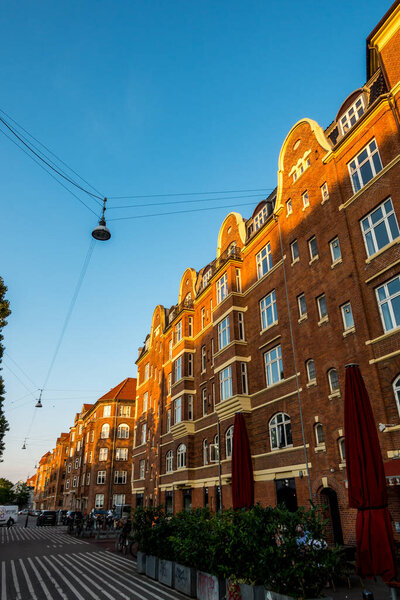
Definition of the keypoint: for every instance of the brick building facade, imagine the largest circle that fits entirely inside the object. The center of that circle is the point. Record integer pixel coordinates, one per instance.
(90, 466)
(307, 284)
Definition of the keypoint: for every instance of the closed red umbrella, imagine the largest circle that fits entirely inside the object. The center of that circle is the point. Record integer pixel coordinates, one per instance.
(242, 469)
(366, 482)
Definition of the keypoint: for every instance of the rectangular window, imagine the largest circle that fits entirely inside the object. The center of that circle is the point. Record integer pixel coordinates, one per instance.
(190, 364)
(206, 277)
(241, 326)
(347, 316)
(212, 352)
(264, 261)
(324, 192)
(289, 208)
(273, 365)
(121, 454)
(243, 376)
(178, 410)
(170, 349)
(268, 311)
(204, 400)
(146, 372)
(99, 501)
(294, 251)
(190, 326)
(238, 279)
(335, 250)
(306, 200)
(145, 401)
(169, 384)
(261, 217)
(92, 436)
(118, 499)
(224, 336)
(380, 227)
(313, 247)
(87, 478)
(301, 302)
(352, 115)
(168, 420)
(101, 477)
(75, 482)
(203, 359)
(190, 407)
(178, 332)
(67, 484)
(203, 317)
(142, 467)
(322, 309)
(365, 166)
(103, 454)
(107, 411)
(388, 296)
(225, 383)
(222, 288)
(178, 369)
(124, 411)
(143, 434)
(90, 456)
(120, 476)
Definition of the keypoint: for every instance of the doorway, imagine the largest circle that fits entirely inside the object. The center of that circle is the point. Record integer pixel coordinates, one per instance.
(332, 514)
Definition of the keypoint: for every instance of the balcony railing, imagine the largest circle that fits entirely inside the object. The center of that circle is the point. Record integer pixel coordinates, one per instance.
(231, 253)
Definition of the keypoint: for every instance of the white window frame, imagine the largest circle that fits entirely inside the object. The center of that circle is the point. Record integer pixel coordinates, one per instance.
(169, 462)
(146, 371)
(190, 364)
(121, 454)
(289, 207)
(203, 317)
(268, 310)
(341, 446)
(280, 431)
(103, 454)
(333, 388)
(238, 280)
(142, 468)
(88, 478)
(99, 501)
(347, 316)
(169, 418)
(314, 253)
(224, 333)
(318, 430)
(264, 261)
(324, 192)
(118, 499)
(145, 401)
(120, 477)
(294, 245)
(206, 277)
(352, 114)
(178, 374)
(241, 334)
(101, 477)
(311, 374)
(229, 442)
(319, 305)
(107, 410)
(261, 217)
(243, 377)
(181, 457)
(372, 159)
(302, 305)
(306, 199)
(105, 431)
(177, 410)
(123, 431)
(170, 344)
(143, 433)
(124, 411)
(273, 365)
(205, 452)
(169, 384)
(190, 406)
(222, 288)
(396, 392)
(178, 331)
(204, 400)
(190, 326)
(385, 304)
(389, 222)
(333, 245)
(203, 359)
(225, 383)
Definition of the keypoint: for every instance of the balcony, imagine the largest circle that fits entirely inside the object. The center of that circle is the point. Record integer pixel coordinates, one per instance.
(182, 429)
(233, 253)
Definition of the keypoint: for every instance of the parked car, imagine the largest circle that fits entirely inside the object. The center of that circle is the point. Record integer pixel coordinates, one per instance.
(47, 517)
(72, 515)
(24, 511)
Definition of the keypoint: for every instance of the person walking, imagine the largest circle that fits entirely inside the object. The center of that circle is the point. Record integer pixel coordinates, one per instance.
(10, 523)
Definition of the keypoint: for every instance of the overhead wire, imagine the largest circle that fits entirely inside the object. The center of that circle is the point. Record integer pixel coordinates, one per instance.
(189, 194)
(179, 212)
(50, 151)
(94, 196)
(184, 201)
(20, 368)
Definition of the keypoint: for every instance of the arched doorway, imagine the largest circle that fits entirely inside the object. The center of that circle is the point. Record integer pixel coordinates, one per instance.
(332, 514)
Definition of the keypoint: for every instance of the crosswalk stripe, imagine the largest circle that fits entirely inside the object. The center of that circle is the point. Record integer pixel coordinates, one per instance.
(28, 581)
(40, 580)
(69, 584)
(16, 584)
(121, 559)
(81, 567)
(53, 581)
(3, 581)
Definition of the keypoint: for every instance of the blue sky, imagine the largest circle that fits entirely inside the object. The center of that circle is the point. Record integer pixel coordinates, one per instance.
(141, 98)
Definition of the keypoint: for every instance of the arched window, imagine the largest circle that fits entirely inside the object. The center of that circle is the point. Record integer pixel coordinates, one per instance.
(333, 380)
(228, 441)
(310, 366)
(396, 391)
(181, 457)
(205, 452)
(123, 431)
(342, 451)
(169, 462)
(280, 431)
(319, 434)
(188, 299)
(105, 431)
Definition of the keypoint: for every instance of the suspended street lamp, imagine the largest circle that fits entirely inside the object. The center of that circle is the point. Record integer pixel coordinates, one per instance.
(39, 402)
(101, 232)
(24, 445)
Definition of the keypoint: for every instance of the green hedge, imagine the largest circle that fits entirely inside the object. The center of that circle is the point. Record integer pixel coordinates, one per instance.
(257, 546)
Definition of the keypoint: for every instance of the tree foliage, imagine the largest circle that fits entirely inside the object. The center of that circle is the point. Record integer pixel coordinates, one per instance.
(6, 495)
(4, 313)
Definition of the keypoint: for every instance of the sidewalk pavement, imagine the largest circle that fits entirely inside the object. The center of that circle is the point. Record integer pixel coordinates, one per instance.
(380, 590)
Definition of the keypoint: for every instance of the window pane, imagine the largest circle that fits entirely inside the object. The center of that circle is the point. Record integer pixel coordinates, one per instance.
(381, 234)
(366, 172)
(394, 286)
(377, 162)
(394, 229)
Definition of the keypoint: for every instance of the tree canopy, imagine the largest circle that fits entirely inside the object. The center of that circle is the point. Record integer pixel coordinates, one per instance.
(4, 313)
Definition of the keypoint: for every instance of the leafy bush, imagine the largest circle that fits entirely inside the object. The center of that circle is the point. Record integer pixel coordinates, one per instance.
(282, 550)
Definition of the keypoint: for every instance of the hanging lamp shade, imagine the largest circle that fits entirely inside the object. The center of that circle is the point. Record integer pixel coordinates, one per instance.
(23, 446)
(39, 404)
(101, 232)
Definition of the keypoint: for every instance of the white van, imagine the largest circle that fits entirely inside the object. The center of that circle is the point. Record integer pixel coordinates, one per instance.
(6, 512)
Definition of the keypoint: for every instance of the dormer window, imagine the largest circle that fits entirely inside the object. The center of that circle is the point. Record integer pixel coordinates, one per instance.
(260, 217)
(207, 277)
(352, 115)
(302, 165)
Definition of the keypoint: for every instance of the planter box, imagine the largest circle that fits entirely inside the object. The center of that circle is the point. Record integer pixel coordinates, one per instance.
(141, 562)
(185, 580)
(151, 566)
(275, 596)
(252, 592)
(209, 587)
(166, 572)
